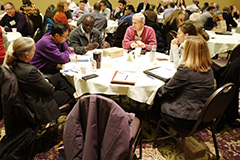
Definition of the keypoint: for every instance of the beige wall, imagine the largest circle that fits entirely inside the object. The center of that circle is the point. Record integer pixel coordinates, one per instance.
(43, 4)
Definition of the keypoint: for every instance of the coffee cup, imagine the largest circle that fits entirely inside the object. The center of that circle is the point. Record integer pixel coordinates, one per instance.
(14, 29)
(97, 56)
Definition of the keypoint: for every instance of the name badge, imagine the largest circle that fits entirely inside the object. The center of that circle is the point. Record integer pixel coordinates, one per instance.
(12, 23)
(138, 38)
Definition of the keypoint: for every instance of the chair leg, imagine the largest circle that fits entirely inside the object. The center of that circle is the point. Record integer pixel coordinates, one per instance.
(140, 145)
(155, 136)
(184, 148)
(215, 142)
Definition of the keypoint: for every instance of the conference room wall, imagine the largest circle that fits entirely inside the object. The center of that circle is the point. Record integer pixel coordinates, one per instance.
(43, 4)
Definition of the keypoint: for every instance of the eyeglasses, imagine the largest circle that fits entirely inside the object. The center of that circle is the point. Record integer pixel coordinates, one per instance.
(66, 37)
(8, 9)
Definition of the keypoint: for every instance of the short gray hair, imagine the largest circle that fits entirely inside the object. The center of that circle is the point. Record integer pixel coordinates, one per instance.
(140, 17)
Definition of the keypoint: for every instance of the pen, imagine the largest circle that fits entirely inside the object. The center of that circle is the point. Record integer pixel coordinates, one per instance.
(151, 77)
(126, 77)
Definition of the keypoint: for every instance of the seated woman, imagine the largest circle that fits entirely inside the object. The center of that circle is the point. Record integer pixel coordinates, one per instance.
(172, 22)
(28, 8)
(182, 98)
(41, 95)
(60, 14)
(185, 29)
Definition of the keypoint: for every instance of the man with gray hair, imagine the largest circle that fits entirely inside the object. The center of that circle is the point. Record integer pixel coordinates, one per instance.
(139, 35)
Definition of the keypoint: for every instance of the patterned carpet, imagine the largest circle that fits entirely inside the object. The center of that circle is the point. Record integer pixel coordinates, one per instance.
(228, 139)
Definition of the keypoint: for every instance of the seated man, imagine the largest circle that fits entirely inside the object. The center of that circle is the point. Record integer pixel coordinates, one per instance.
(129, 12)
(79, 11)
(14, 19)
(119, 12)
(104, 10)
(139, 35)
(208, 14)
(168, 10)
(228, 18)
(52, 49)
(100, 22)
(85, 37)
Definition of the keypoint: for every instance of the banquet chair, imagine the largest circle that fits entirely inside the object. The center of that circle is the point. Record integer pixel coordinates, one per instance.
(37, 35)
(19, 122)
(37, 21)
(170, 36)
(210, 115)
(222, 62)
(30, 27)
(117, 38)
(98, 128)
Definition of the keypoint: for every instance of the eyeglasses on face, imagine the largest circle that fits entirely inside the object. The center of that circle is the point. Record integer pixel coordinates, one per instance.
(8, 9)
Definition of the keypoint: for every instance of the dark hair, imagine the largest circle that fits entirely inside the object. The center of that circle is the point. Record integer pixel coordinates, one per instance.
(172, 4)
(10, 3)
(82, 1)
(28, 2)
(130, 7)
(97, 6)
(58, 28)
(104, 2)
(206, 4)
(122, 1)
(189, 28)
(210, 8)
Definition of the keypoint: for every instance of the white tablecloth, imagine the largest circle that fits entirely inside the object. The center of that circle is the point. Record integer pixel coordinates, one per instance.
(222, 43)
(11, 37)
(144, 89)
(111, 26)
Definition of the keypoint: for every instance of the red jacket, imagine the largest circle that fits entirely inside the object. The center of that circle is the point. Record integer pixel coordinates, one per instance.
(148, 37)
(2, 49)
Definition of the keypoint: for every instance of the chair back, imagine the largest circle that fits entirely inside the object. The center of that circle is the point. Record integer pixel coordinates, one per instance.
(49, 11)
(16, 115)
(170, 36)
(37, 35)
(120, 32)
(235, 54)
(30, 27)
(119, 35)
(37, 21)
(216, 105)
(89, 128)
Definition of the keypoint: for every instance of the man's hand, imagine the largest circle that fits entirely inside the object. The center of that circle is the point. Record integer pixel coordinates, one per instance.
(80, 11)
(71, 48)
(141, 44)
(134, 45)
(92, 46)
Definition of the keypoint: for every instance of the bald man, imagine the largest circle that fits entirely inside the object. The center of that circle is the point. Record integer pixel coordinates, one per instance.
(85, 37)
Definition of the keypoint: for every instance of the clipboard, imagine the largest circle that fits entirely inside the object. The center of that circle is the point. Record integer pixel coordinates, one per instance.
(124, 77)
(160, 72)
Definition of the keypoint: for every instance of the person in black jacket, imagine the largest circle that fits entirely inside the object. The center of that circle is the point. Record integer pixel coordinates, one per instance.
(143, 6)
(228, 18)
(41, 95)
